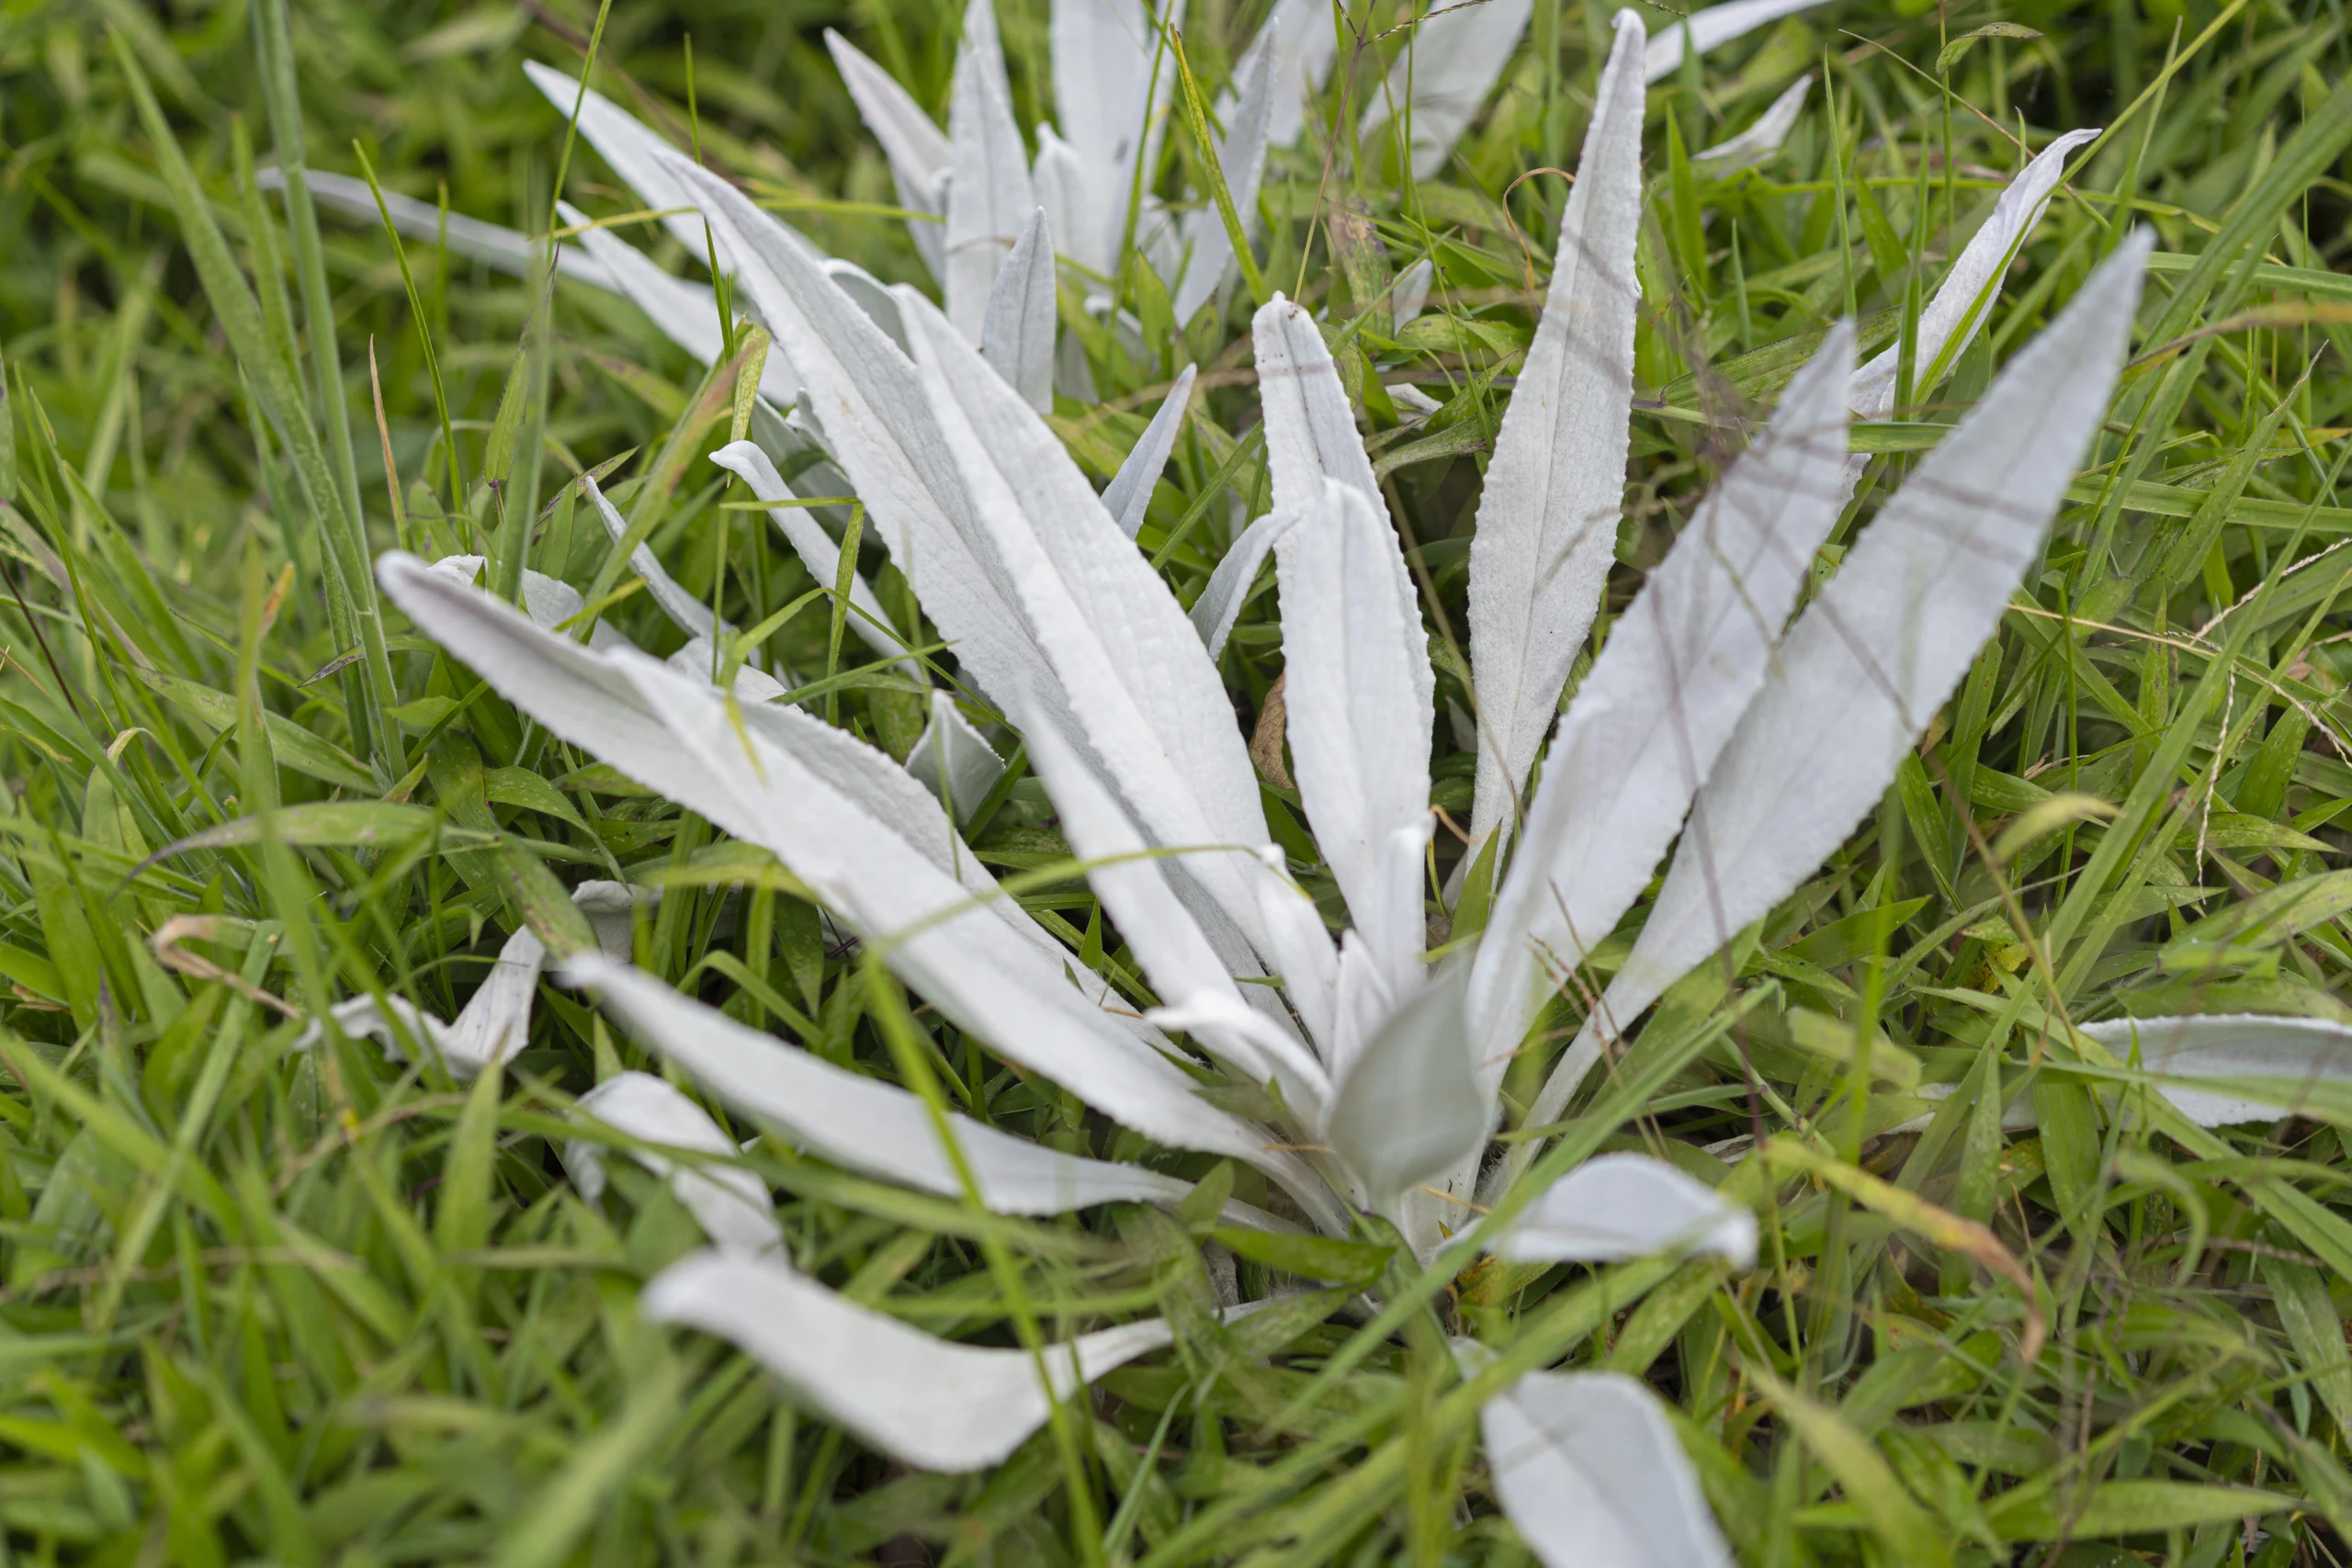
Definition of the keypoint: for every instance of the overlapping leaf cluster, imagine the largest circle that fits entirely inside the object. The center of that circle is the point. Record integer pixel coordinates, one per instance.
(278, 1293)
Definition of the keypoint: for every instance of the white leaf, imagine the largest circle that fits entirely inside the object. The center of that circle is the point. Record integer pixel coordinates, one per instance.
(1451, 61)
(591, 702)
(857, 1123)
(1413, 292)
(1962, 301)
(818, 550)
(686, 313)
(611, 909)
(1310, 430)
(919, 154)
(1547, 520)
(688, 614)
(871, 296)
(1300, 947)
(1628, 1205)
(773, 777)
(990, 197)
(492, 1027)
(1302, 42)
(1110, 103)
(927, 1402)
(492, 244)
(1361, 713)
(1589, 1469)
(1715, 25)
(1761, 140)
(1220, 602)
(1406, 1107)
(2293, 1051)
(1241, 156)
(879, 429)
(730, 1203)
(1147, 702)
(1128, 495)
(635, 153)
(953, 761)
(1679, 668)
(1058, 175)
(1197, 994)
(1017, 334)
(1866, 666)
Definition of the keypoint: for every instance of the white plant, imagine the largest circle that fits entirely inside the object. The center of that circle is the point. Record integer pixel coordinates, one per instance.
(1702, 720)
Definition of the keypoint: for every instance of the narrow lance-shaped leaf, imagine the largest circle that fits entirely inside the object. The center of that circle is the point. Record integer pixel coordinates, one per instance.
(2293, 1053)
(1143, 696)
(688, 614)
(990, 197)
(1128, 495)
(1110, 105)
(1301, 43)
(1547, 520)
(686, 313)
(1451, 62)
(1865, 667)
(730, 1203)
(1762, 138)
(1627, 1206)
(1196, 992)
(492, 244)
(925, 1401)
(857, 1123)
(1220, 602)
(1242, 155)
(1310, 430)
(1679, 667)
(818, 550)
(1961, 303)
(1406, 1107)
(593, 702)
(1705, 28)
(878, 427)
(1358, 684)
(918, 151)
(1588, 1469)
(953, 760)
(1017, 334)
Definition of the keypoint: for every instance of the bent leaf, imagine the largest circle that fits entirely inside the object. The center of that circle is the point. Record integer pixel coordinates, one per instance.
(1589, 1469)
(730, 1203)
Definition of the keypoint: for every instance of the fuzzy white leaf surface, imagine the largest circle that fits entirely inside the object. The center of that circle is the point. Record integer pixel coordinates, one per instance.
(492, 244)
(1704, 30)
(1547, 519)
(730, 1203)
(2293, 1052)
(1242, 155)
(1300, 43)
(1588, 1467)
(1310, 430)
(1864, 669)
(1359, 689)
(1128, 495)
(1763, 138)
(1220, 602)
(988, 197)
(686, 313)
(918, 151)
(818, 550)
(953, 761)
(1618, 1206)
(1963, 302)
(1017, 334)
(1451, 61)
(857, 1123)
(1406, 1106)
(1111, 106)
(1679, 668)
(927, 1402)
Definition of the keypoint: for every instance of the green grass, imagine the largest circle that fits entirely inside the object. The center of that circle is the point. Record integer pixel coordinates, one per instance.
(261, 1305)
